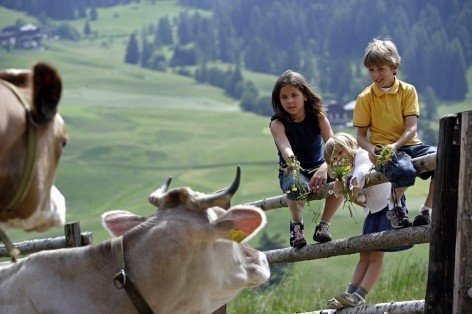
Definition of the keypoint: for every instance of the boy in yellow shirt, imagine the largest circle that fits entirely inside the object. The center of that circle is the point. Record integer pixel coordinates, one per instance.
(388, 109)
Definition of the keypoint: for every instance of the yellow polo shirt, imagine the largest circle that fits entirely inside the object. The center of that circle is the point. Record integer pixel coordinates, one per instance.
(384, 113)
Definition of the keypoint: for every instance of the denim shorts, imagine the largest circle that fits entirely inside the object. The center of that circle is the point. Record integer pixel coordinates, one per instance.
(287, 181)
(378, 222)
(419, 150)
(399, 170)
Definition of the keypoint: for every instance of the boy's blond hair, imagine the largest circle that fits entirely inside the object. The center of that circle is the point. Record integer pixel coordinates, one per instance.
(338, 141)
(381, 52)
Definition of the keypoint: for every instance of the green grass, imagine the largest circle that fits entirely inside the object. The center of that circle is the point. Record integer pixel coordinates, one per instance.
(131, 128)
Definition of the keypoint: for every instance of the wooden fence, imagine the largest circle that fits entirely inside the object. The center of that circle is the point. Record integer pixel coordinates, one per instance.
(72, 238)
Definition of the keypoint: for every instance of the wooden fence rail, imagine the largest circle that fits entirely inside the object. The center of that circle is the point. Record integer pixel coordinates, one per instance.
(416, 306)
(421, 164)
(73, 237)
(367, 242)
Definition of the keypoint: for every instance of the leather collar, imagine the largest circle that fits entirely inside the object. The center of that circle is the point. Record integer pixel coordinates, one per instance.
(122, 280)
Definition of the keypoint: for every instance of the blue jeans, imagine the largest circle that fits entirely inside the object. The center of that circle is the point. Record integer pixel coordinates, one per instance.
(399, 170)
(419, 150)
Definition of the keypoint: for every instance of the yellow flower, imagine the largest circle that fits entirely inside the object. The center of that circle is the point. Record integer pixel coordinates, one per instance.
(384, 154)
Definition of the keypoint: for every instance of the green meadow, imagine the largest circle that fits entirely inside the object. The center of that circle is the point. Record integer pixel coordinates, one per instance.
(131, 128)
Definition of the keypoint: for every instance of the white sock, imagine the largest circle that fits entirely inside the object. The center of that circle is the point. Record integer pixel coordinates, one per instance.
(425, 208)
(390, 205)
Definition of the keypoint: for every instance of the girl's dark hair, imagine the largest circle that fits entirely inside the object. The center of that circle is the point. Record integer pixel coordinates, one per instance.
(313, 102)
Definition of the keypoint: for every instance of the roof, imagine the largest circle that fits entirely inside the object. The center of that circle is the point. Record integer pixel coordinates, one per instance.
(350, 105)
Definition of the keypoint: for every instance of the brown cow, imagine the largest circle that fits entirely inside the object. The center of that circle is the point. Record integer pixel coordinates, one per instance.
(185, 258)
(32, 137)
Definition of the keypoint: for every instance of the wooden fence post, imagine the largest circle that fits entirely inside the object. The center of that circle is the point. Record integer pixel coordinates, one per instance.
(443, 226)
(462, 294)
(72, 233)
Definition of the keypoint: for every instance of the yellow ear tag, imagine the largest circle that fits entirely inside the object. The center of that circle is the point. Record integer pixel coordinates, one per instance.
(237, 235)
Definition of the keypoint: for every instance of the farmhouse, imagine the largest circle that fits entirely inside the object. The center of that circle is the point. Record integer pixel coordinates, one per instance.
(340, 115)
(27, 36)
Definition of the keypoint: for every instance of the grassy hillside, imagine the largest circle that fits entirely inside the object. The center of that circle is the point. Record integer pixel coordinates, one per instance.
(131, 128)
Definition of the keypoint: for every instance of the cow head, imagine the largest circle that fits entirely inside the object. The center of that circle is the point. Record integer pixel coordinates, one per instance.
(190, 256)
(28, 117)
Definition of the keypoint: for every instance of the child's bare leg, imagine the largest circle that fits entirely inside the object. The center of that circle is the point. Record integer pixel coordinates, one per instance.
(371, 268)
(361, 268)
(296, 209)
(331, 204)
(429, 199)
(374, 270)
(397, 194)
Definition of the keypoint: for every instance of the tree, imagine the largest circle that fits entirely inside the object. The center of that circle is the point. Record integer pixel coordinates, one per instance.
(146, 54)
(87, 29)
(184, 29)
(249, 96)
(430, 105)
(93, 13)
(163, 35)
(66, 31)
(132, 50)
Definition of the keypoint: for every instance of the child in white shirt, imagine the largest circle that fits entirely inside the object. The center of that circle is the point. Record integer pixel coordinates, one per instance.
(374, 200)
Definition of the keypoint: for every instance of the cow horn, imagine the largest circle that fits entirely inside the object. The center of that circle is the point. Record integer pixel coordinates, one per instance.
(220, 198)
(155, 196)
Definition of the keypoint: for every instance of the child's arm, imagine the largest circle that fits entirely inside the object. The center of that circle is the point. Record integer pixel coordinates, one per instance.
(411, 124)
(320, 176)
(325, 127)
(365, 144)
(281, 141)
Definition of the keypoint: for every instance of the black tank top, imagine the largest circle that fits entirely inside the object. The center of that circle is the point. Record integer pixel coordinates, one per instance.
(306, 141)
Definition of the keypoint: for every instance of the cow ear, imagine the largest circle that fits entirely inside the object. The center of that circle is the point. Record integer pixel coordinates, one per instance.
(47, 88)
(117, 222)
(240, 223)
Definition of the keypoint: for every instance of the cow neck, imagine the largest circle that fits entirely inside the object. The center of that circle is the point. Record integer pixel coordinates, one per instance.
(122, 280)
(27, 174)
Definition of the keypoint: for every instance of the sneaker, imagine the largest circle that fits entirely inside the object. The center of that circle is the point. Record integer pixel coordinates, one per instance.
(422, 219)
(334, 304)
(350, 299)
(297, 239)
(322, 233)
(398, 218)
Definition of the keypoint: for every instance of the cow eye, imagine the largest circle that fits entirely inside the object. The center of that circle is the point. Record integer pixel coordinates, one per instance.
(64, 141)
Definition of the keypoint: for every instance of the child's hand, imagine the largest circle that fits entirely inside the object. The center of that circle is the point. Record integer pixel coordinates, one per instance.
(357, 197)
(319, 178)
(373, 156)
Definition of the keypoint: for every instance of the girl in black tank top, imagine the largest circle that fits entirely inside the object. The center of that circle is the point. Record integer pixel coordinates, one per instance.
(299, 128)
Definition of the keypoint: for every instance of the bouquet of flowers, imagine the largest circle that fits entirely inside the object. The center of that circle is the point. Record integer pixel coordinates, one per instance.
(293, 165)
(338, 170)
(384, 155)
